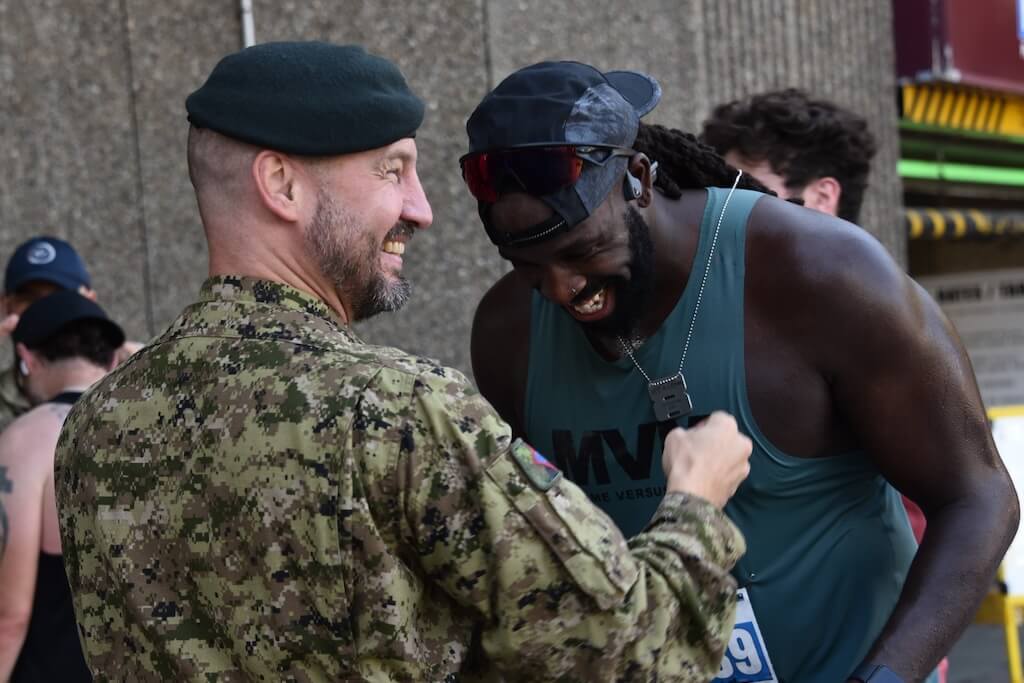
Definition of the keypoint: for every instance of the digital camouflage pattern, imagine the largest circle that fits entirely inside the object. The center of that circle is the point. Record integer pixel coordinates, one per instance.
(12, 401)
(258, 495)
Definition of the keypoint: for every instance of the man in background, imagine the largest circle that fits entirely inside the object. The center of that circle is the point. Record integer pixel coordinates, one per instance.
(799, 147)
(39, 267)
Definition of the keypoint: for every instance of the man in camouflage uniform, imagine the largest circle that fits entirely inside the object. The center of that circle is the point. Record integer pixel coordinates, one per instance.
(258, 495)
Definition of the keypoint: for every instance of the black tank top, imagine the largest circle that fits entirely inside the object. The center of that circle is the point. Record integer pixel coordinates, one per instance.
(52, 651)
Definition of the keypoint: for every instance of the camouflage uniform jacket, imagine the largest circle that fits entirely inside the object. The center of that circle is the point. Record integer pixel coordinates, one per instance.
(13, 401)
(258, 495)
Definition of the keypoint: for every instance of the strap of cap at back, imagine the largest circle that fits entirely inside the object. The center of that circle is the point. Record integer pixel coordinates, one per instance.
(542, 231)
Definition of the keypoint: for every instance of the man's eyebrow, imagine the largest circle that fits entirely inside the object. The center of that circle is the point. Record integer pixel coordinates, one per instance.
(400, 155)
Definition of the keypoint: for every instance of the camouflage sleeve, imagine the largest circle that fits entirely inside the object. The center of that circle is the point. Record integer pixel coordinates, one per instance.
(12, 402)
(558, 592)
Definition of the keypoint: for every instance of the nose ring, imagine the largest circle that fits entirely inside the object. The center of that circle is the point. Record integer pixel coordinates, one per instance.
(572, 291)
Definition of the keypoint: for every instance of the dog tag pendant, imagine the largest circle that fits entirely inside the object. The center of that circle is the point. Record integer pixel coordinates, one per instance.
(669, 398)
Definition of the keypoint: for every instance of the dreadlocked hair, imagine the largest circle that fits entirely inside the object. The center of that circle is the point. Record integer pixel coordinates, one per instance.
(684, 162)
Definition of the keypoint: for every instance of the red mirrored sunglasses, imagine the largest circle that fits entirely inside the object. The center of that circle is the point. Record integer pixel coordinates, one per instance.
(536, 169)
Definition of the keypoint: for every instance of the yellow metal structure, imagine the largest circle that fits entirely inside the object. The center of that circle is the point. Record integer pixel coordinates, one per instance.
(964, 108)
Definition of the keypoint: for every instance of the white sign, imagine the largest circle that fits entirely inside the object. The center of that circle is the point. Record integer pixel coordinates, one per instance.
(1020, 26)
(1008, 433)
(987, 309)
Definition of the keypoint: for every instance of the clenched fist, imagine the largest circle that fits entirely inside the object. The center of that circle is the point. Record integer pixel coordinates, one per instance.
(709, 460)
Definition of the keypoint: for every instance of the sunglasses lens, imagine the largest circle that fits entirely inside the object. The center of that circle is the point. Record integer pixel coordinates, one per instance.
(536, 170)
(477, 174)
(546, 169)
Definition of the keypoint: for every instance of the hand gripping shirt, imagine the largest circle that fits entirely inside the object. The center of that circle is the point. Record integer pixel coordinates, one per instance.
(259, 496)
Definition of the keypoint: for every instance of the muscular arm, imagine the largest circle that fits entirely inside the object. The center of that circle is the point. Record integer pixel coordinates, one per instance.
(22, 484)
(902, 382)
(500, 348)
(918, 412)
(556, 592)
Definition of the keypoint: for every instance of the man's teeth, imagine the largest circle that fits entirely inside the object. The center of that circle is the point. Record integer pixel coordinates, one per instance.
(591, 305)
(397, 248)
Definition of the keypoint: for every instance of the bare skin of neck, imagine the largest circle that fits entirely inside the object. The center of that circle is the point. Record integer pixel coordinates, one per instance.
(262, 260)
(69, 374)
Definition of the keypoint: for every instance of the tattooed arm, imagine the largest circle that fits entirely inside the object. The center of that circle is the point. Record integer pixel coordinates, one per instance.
(26, 460)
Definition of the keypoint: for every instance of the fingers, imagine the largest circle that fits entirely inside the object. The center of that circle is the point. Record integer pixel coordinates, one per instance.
(8, 324)
(744, 473)
(720, 420)
(711, 459)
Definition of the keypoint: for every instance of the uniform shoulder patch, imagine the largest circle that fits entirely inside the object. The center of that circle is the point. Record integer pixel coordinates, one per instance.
(537, 469)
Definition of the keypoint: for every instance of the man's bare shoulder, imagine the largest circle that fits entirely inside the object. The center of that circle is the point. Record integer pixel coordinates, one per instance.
(500, 345)
(509, 292)
(502, 319)
(792, 248)
(830, 291)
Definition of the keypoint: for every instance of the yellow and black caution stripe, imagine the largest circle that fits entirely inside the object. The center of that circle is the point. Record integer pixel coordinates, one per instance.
(925, 223)
(963, 108)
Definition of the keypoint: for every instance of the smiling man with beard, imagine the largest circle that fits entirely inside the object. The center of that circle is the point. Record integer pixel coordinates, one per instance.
(649, 289)
(259, 495)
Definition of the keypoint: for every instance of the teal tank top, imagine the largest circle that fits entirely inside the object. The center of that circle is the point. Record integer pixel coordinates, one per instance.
(828, 541)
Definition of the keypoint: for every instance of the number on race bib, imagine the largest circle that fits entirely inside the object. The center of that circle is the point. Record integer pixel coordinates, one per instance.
(746, 658)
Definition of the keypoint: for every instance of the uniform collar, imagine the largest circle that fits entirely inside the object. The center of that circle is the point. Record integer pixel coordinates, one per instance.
(241, 289)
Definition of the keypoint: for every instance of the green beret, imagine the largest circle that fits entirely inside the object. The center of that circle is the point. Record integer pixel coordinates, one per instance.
(308, 98)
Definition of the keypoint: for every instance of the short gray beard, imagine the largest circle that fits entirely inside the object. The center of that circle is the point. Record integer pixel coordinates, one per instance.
(348, 256)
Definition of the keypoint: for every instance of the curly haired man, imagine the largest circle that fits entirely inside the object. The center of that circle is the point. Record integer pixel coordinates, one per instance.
(800, 147)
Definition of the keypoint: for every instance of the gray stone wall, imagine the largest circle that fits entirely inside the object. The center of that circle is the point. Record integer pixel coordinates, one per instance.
(93, 125)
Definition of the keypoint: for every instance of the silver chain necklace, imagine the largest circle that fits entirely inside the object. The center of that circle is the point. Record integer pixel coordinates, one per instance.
(669, 397)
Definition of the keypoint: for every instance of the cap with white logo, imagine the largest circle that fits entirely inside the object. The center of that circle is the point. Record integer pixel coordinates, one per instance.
(48, 259)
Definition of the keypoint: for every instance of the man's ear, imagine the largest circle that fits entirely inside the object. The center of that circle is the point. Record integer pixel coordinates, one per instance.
(822, 194)
(27, 361)
(89, 294)
(641, 168)
(282, 185)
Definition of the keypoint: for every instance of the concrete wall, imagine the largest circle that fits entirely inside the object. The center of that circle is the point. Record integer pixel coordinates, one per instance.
(93, 124)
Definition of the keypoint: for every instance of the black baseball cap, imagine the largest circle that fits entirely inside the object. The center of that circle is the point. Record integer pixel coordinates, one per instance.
(48, 259)
(46, 317)
(566, 103)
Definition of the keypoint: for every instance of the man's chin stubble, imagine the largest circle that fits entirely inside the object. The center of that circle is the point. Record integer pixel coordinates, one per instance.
(383, 297)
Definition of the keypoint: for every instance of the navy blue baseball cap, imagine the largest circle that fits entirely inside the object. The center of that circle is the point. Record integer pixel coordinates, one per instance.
(46, 317)
(563, 103)
(48, 259)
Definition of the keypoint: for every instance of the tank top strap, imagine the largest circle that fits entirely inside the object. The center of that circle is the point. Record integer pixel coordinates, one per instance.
(67, 397)
(719, 292)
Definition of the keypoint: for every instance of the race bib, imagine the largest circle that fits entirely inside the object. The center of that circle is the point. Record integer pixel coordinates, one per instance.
(746, 658)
